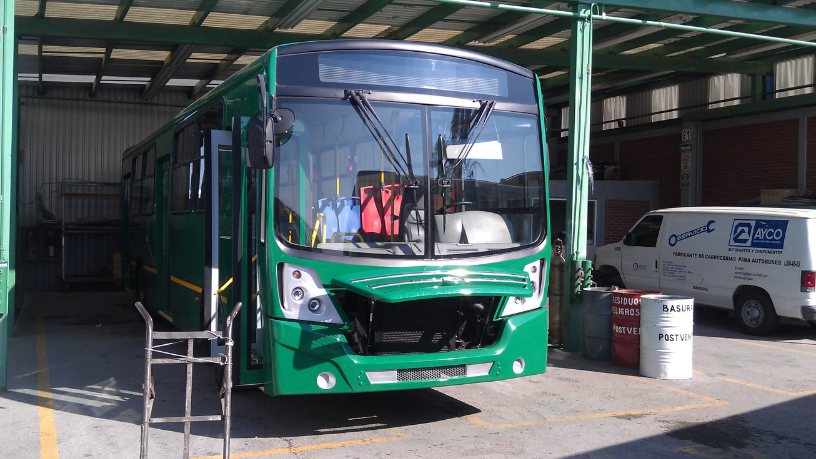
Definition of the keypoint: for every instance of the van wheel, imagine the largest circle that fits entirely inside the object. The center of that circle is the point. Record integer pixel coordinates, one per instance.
(756, 314)
(608, 278)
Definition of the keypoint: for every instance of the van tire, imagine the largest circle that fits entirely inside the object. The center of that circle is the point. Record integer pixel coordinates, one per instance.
(755, 313)
(607, 277)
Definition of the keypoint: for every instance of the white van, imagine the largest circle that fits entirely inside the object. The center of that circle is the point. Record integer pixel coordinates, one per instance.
(759, 261)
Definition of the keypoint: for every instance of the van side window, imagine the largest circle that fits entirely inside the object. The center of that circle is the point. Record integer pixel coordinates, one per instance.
(646, 231)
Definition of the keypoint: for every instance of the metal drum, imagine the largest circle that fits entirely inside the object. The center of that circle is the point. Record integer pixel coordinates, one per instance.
(666, 336)
(626, 327)
(598, 323)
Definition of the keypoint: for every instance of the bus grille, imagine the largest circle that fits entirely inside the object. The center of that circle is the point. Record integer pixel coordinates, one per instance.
(424, 374)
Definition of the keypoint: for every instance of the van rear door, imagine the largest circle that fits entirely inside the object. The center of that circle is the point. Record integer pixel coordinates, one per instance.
(640, 254)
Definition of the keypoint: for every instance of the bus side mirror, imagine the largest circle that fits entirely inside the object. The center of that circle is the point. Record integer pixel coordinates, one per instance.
(630, 239)
(261, 142)
(261, 135)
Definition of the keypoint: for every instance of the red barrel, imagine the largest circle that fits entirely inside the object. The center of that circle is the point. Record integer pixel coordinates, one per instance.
(626, 327)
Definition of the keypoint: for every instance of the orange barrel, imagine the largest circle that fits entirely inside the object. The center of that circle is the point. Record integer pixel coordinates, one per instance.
(626, 327)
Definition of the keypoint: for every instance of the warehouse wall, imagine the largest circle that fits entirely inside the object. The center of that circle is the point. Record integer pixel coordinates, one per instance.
(654, 158)
(66, 136)
(740, 161)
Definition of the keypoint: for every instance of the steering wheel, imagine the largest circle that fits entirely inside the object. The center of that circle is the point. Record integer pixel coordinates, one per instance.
(456, 204)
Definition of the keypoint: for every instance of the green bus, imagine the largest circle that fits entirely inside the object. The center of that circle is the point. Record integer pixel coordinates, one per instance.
(379, 207)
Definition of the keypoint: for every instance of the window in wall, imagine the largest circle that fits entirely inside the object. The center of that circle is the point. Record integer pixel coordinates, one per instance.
(614, 112)
(188, 172)
(794, 73)
(665, 101)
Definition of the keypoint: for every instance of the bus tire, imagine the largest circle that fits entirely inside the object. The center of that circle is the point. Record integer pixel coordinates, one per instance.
(755, 313)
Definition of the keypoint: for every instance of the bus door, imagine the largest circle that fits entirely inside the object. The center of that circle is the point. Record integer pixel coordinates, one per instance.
(161, 235)
(246, 201)
(218, 230)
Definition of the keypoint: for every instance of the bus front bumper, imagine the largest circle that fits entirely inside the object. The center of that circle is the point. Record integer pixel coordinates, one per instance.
(309, 359)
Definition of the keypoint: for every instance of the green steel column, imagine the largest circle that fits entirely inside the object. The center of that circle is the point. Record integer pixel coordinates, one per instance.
(577, 172)
(8, 172)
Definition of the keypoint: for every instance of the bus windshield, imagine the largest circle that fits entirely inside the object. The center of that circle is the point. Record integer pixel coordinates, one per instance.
(338, 189)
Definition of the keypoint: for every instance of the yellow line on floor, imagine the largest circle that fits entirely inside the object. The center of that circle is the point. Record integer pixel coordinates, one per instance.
(298, 449)
(778, 347)
(488, 425)
(149, 269)
(48, 430)
(769, 389)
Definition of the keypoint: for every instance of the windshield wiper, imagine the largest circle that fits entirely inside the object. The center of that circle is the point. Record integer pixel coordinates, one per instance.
(375, 126)
(475, 128)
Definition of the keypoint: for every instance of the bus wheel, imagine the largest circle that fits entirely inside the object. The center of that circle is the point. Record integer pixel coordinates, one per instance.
(756, 314)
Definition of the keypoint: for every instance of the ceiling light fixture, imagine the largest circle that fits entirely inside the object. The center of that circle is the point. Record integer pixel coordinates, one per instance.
(304, 9)
(514, 27)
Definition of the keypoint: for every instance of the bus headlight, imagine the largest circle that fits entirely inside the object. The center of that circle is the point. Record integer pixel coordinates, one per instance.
(518, 305)
(304, 298)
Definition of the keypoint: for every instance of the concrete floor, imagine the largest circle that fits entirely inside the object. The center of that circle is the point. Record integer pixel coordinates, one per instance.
(749, 398)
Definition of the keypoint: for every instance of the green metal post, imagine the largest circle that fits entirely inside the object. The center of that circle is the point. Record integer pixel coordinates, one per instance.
(577, 171)
(8, 184)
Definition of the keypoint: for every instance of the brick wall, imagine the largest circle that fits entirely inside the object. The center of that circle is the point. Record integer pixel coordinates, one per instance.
(810, 177)
(740, 161)
(656, 158)
(605, 152)
(620, 216)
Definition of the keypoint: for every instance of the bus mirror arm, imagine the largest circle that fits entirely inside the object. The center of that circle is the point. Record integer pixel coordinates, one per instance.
(261, 135)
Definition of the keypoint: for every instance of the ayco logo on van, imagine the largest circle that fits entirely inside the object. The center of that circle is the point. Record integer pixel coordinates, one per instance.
(763, 234)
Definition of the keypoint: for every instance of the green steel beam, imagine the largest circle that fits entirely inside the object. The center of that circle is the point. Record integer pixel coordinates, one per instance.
(601, 16)
(745, 11)
(179, 55)
(783, 103)
(742, 44)
(702, 21)
(701, 40)
(559, 57)
(237, 51)
(41, 9)
(577, 171)
(121, 12)
(480, 30)
(430, 17)
(8, 182)
(365, 11)
(270, 24)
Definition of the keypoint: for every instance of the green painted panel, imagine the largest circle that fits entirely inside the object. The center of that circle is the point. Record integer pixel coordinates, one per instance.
(432, 282)
(302, 351)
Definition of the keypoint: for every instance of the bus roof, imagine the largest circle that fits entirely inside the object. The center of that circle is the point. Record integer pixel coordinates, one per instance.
(394, 45)
(319, 46)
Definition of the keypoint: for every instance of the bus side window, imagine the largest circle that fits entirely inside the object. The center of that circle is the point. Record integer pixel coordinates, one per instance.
(187, 171)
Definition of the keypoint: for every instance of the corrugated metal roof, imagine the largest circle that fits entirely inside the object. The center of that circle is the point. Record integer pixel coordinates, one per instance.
(82, 56)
